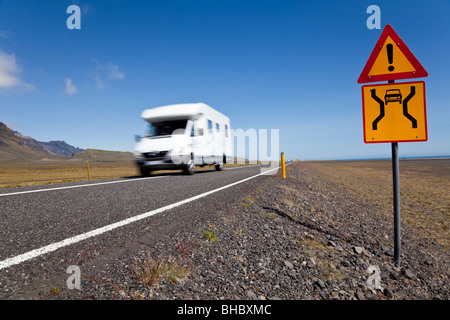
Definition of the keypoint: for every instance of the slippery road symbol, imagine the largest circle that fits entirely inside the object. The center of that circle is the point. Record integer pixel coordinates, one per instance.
(391, 96)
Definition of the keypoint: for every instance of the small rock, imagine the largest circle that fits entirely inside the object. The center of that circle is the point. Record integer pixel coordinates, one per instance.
(345, 263)
(395, 268)
(407, 273)
(386, 250)
(358, 250)
(388, 293)
(288, 264)
(309, 236)
(428, 262)
(360, 295)
(261, 297)
(250, 294)
(393, 275)
(292, 273)
(320, 283)
(331, 243)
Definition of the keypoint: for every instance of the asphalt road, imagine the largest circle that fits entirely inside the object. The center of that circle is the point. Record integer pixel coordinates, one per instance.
(50, 223)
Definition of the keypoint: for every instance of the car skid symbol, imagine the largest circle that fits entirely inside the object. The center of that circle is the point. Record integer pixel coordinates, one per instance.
(392, 96)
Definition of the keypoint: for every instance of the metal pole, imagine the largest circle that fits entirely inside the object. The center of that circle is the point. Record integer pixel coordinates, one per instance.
(283, 168)
(396, 187)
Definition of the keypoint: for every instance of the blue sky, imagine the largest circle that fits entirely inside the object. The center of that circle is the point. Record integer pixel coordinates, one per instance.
(288, 65)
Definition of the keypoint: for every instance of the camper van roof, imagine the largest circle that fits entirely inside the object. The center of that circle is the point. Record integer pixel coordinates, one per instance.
(175, 112)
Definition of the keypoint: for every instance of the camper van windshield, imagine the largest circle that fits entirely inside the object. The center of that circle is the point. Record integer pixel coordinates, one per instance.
(166, 128)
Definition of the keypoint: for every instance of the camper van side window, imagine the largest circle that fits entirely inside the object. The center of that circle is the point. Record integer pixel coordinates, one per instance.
(210, 126)
(226, 131)
(217, 127)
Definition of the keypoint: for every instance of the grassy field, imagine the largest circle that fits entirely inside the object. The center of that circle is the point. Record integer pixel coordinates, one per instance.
(29, 173)
(424, 190)
(46, 172)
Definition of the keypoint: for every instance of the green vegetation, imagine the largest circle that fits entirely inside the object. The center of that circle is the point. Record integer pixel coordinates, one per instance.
(248, 200)
(210, 235)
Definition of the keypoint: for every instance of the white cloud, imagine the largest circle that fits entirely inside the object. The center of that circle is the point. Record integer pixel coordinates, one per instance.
(5, 34)
(101, 72)
(70, 88)
(98, 82)
(9, 71)
(114, 72)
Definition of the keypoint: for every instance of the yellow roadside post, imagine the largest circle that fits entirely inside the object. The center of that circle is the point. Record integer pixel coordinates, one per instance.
(283, 168)
(87, 166)
(296, 160)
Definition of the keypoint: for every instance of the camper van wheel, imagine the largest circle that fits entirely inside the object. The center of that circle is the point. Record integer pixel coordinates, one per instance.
(219, 166)
(190, 167)
(145, 172)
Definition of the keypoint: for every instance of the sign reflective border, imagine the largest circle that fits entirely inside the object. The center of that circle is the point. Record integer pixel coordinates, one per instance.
(391, 59)
(394, 112)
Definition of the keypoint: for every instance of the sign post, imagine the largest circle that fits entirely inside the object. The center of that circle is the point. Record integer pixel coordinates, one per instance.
(396, 188)
(393, 112)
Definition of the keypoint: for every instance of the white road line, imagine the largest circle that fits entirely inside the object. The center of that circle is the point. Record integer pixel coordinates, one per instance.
(77, 186)
(57, 245)
(92, 184)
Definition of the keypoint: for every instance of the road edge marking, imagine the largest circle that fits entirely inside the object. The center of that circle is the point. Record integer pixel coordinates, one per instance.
(77, 186)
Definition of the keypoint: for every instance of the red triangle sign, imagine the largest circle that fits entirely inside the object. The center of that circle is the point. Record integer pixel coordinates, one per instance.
(391, 60)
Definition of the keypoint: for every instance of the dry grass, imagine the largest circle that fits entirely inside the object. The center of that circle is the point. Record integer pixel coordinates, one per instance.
(424, 190)
(311, 249)
(30, 173)
(46, 172)
(154, 270)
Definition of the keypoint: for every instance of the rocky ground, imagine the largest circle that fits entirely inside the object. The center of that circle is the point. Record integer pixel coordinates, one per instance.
(303, 237)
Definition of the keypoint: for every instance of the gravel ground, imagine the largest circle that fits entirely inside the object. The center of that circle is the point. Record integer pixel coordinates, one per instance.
(303, 237)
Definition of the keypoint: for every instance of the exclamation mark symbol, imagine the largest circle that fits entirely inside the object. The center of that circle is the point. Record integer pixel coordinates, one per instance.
(390, 53)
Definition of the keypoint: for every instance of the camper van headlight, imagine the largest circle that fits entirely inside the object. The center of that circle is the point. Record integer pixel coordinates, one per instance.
(137, 154)
(177, 150)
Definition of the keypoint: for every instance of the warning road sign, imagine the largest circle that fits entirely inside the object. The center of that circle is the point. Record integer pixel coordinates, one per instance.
(394, 112)
(391, 60)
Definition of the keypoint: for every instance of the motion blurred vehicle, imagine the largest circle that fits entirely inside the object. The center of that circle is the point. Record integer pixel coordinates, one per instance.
(182, 136)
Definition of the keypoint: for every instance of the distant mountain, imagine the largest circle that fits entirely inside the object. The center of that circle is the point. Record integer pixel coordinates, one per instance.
(60, 147)
(16, 146)
(13, 147)
(55, 147)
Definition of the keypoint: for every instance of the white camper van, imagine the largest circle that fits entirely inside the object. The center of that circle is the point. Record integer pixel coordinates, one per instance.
(182, 136)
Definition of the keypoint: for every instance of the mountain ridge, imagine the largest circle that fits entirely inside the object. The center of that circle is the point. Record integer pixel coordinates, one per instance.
(16, 146)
